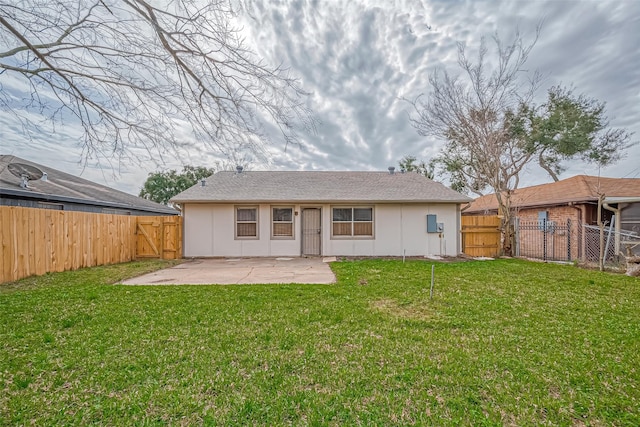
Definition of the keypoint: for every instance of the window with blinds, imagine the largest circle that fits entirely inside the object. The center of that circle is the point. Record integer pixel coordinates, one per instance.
(246, 222)
(282, 223)
(353, 222)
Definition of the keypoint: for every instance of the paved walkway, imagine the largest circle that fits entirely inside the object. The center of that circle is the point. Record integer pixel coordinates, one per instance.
(227, 271)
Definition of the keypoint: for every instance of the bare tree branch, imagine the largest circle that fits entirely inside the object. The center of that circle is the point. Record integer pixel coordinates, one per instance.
(136, 74)
(473, 112)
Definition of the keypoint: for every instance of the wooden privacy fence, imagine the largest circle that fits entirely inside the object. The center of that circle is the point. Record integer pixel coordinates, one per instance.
(38, 241)
(481, 235)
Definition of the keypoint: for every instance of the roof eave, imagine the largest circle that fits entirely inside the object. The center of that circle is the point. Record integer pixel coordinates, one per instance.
(315, 201)
(535, 205)
(55, 198)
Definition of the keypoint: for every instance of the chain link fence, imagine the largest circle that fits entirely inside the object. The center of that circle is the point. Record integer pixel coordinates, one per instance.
(627, 241)
(571, 241)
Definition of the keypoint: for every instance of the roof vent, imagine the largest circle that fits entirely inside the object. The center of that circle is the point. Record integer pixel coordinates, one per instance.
(203, 182)
(392, 170)
(239, 169)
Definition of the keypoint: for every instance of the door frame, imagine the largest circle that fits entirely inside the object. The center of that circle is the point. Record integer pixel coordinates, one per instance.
(302, 238)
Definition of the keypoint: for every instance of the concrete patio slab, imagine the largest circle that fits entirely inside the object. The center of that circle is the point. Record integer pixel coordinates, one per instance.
(228, 271)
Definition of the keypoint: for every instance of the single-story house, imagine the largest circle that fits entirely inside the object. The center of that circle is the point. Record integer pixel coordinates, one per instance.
(28, 184)
(297, 213)
(570, 203)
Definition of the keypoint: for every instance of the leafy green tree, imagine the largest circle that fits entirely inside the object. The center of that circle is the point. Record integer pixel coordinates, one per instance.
(411, 164)
(566, 127)
(162, 186)
(493, 129)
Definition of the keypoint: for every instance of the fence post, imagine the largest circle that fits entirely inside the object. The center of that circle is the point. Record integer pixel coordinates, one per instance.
(544, 239)
(581, 239)
(569, 239)
(517, 236)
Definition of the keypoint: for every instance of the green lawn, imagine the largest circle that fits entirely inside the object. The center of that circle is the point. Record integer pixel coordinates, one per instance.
(504, 342)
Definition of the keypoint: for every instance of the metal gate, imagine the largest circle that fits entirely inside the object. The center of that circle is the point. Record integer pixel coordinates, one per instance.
(547, 240)
(311, 231)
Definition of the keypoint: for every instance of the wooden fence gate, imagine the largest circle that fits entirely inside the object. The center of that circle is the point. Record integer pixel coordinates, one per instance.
(481, 235)
(159, 237)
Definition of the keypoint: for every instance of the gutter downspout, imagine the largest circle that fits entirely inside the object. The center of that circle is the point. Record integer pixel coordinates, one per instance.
(459, 230)
(180, 208)
(616, 212)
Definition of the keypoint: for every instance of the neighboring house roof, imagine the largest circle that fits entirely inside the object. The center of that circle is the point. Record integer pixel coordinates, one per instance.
(300, 186)
(577, 189)
(63, 187)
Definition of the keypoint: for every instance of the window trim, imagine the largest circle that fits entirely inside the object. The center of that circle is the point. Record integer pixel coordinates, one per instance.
(235, 222)
(292, 222)
(353, 222)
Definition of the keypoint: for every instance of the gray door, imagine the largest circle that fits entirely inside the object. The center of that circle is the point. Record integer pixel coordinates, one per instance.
(311, 231)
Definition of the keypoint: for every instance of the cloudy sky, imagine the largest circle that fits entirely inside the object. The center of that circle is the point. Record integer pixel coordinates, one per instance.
(358, 59)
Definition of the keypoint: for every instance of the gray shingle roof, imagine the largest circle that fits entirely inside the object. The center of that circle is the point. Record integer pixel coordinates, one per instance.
(299, 186)
(65, 187)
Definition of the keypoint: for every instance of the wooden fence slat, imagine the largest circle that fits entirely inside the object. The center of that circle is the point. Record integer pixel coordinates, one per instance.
(52, 230)
(65, 242)
(39, 247)
(7, 244)
(97, 241)
(47, 247)
(23, 243)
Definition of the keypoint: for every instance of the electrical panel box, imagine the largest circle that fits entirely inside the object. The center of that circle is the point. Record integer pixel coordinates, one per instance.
(543, 217)
(432, 224)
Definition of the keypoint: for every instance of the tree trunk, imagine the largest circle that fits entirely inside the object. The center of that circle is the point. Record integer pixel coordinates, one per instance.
(507, 236)
(504, 203)
(543, 164)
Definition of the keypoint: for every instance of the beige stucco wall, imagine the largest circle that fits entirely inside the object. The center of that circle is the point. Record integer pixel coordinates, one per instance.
(209, 232)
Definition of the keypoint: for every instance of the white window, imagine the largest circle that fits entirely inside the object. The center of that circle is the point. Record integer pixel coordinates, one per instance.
(281, 223)
(353, 222)
(246, 222)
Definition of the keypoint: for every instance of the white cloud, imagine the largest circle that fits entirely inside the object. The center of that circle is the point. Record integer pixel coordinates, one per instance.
(357, 58)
